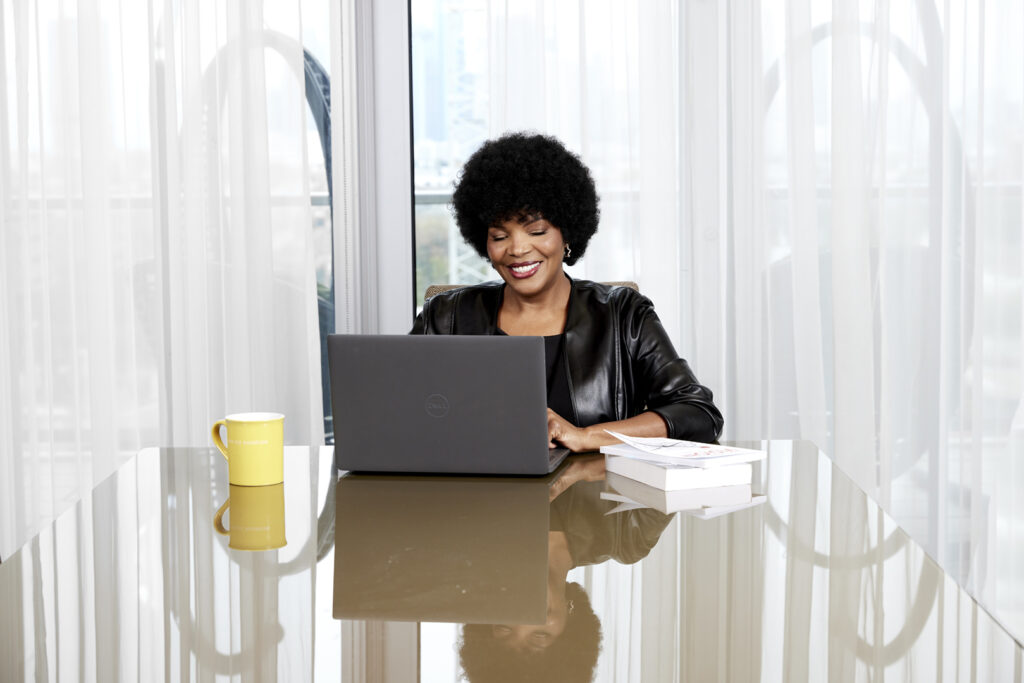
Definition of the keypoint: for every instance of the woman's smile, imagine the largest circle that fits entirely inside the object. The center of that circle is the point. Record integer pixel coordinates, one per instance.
(524, 270)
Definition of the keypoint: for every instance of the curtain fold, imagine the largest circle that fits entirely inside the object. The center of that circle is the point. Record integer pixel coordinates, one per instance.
(853, 280)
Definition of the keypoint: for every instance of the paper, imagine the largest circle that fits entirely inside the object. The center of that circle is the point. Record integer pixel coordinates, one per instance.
(712, 512)
(675, 447)
(625, 504)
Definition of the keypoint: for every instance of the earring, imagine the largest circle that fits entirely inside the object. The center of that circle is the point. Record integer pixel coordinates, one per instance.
(571, 607)
(568, 251)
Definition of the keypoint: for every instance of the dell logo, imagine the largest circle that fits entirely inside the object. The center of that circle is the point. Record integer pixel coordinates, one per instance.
(436, 405)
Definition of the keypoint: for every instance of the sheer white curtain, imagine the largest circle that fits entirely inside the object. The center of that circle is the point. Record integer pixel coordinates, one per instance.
(888, 290)
(156, 258)
(603, 78)
(823, 199)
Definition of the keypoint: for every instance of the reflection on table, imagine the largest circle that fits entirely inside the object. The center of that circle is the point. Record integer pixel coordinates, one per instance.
(399, 578)
(492, 555)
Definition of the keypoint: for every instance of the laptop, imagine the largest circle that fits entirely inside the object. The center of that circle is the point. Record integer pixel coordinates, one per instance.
(440, 404)
(441, 549)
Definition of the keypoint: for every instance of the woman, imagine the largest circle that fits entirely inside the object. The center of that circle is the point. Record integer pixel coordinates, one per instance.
(528, 205)
(585, 530)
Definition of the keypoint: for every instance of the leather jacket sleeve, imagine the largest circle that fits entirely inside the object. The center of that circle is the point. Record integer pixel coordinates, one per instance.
(665, 381)
(596, 534)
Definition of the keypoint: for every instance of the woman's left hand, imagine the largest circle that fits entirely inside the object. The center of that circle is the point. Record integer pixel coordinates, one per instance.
(561, 432)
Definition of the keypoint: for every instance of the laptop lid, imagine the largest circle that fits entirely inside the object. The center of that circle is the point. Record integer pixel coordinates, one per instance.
(440, 404)
(441, 549)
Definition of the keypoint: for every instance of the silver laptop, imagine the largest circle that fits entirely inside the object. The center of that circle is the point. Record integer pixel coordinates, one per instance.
(440, 404)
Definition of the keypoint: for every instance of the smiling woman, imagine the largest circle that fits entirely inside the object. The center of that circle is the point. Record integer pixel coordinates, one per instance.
(488, 654)
(529, 206)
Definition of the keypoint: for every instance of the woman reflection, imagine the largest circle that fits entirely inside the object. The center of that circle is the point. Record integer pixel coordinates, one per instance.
(529, 206)
(566, 646)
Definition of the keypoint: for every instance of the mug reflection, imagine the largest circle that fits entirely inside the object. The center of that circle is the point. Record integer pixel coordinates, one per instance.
(255, 517)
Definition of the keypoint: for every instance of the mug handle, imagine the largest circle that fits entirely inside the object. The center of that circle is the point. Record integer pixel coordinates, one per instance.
(218, 519)
(215, 433)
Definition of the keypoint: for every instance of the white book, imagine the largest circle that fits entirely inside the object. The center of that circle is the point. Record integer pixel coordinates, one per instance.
(668, 502)
(719, 510)
(675, 451)
(677, 477)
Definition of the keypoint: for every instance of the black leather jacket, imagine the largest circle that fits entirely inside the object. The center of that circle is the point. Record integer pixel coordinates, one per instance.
(619, 358)
(596, 535)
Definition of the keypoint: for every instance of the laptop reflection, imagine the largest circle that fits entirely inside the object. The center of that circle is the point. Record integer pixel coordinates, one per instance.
(469, 550)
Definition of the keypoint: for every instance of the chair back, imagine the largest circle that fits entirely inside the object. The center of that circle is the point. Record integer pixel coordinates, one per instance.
(437, 289)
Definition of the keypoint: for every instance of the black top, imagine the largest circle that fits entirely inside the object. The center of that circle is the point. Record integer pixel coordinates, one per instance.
(558, 377)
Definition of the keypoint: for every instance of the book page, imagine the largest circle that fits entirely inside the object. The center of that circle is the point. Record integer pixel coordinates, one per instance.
(675, 447)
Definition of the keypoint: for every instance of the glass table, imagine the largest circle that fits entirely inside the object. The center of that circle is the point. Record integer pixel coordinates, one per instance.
(364, 578)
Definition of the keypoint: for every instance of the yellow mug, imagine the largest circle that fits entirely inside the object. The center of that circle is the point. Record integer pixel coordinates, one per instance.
(257, 517)
(255, 449)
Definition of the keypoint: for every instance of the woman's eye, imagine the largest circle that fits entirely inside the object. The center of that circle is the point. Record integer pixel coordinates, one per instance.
(497, 238)
(539, 232)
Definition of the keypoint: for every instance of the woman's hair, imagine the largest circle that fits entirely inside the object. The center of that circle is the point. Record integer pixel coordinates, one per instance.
(571, 657)
(518, 176)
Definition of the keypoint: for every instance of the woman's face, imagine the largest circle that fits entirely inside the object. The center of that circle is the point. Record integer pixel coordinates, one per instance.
(536, 638)
(527, 254)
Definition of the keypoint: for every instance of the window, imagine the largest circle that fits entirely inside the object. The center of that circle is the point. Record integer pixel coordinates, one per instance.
(450, 107)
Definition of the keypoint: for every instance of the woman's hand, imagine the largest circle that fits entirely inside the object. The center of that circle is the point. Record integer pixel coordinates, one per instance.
(561, 432)
(583, 468)
(579, 439)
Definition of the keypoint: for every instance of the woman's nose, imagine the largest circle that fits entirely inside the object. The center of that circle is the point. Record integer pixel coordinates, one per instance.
(520, 245)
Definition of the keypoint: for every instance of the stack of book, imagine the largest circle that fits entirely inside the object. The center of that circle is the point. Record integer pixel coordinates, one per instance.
(669, 475)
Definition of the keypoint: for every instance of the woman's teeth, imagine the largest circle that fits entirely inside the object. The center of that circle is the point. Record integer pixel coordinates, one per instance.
(524, 270)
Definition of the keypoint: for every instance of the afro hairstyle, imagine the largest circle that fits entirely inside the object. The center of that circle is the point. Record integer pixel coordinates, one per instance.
(520, 175)
(571, 658)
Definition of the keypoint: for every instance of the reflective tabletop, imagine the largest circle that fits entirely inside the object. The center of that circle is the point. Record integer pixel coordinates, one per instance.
(165, 572)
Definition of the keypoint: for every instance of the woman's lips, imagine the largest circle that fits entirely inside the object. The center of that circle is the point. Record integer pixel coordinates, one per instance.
(524, 270)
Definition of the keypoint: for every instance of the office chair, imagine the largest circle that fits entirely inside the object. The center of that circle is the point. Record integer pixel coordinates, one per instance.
(437, 289)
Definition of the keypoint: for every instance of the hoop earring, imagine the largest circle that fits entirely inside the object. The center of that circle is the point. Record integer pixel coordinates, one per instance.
(568, 251)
